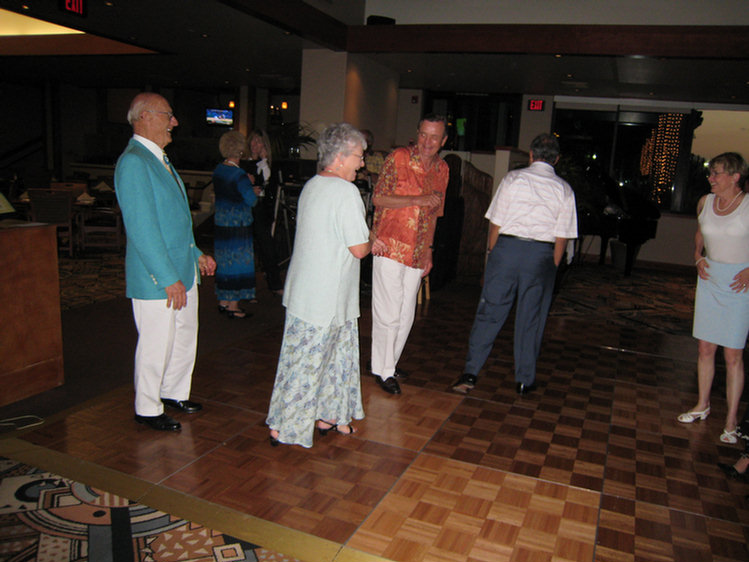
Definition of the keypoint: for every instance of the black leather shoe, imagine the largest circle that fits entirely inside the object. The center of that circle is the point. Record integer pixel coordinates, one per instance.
(464, 384)
(389, 385)
(400, 374)
(186, 406)
(159, 423)
(522, 388)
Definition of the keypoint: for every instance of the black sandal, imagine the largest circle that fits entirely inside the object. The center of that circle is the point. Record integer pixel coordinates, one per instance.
(351, 429)
(238, 314)
(325, 430)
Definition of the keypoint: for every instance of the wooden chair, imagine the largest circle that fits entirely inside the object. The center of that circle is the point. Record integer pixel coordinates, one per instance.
(75, 187)
(101, 227)
(55, 206)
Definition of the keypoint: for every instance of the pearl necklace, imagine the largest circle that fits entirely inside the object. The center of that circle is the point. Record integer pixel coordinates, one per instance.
(717, 202)
(230, 163)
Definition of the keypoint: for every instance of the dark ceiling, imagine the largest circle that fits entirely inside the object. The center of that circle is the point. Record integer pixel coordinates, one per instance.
(215, 45)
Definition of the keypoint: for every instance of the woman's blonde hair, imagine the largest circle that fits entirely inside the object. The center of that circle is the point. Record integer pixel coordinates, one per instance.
(233, 144)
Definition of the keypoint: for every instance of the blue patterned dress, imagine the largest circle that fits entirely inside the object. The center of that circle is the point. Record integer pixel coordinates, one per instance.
(235, 257)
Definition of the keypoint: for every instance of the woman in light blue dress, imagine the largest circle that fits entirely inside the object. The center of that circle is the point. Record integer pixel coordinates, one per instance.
(318, 380)
(721, 308)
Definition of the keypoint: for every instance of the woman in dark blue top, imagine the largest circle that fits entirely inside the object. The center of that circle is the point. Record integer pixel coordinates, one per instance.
(235, 198)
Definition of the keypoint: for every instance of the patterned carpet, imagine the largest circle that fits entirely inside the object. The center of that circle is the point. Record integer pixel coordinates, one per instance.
(45, 517)
(90, 279)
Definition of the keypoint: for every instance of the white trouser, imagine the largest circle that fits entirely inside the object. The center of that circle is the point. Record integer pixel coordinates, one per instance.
(165, 354)
(394, 291)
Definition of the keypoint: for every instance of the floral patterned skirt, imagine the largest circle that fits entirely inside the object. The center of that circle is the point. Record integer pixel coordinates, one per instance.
(317, 378)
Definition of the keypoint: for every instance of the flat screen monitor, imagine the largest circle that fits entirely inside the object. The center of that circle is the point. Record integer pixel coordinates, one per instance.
(223, 117)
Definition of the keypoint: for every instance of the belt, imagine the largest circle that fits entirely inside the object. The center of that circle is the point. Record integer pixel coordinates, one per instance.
(527, 239)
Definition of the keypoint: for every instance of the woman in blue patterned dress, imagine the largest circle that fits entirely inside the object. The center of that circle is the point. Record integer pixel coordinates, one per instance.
(235, 198)
(317, 380)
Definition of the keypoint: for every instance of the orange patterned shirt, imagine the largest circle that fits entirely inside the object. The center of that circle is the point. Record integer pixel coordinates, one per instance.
(406, 230)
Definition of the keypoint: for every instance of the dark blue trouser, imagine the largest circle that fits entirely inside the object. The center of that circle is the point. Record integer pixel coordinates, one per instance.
(522, 270)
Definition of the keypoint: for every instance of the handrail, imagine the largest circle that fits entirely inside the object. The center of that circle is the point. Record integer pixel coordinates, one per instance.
(20, 152)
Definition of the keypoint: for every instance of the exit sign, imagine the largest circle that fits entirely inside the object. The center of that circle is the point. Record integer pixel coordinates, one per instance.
(535, 105)
(77, 7)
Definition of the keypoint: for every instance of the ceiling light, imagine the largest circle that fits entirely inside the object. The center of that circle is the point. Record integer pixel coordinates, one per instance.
(13, 24)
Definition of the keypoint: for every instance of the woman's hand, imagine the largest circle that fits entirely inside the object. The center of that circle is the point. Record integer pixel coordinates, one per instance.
(740, 282)
(379, 248)
(429, 201)
(702, 266)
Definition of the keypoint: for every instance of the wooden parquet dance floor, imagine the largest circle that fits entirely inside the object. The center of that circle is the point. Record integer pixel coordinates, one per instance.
(593, 466)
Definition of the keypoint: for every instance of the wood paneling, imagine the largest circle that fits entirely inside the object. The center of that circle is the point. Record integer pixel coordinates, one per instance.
(30, 329)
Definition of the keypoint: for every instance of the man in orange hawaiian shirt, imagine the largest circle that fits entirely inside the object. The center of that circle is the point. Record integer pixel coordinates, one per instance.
(408, 198)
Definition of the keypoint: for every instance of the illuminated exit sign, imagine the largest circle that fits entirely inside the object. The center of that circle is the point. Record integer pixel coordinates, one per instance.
(535, 105)
(77, 7)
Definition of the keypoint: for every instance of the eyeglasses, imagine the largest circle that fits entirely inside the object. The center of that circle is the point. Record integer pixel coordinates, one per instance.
(716, 173)
(359, 156)
(169, 114)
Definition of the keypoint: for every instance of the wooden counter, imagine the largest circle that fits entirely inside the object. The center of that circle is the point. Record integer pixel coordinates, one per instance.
(30, 327)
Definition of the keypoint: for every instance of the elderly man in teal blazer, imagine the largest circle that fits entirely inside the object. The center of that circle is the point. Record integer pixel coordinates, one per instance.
(162, 267)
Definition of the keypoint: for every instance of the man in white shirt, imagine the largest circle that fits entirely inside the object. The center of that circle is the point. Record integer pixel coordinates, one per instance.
(532, 216)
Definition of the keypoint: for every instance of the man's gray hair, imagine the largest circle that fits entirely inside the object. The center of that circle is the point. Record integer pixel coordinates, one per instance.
(545, 148)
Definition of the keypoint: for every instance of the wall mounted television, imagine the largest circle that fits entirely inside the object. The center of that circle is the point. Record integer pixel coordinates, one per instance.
(224, 117)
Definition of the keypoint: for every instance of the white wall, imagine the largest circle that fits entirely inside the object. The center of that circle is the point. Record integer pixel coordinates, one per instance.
(722, 131)
(580, 12)
(410, 104)
(323, 91)
(372, 99)
(533, 123)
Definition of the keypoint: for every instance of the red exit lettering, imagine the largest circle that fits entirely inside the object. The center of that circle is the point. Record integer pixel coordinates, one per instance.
(535, 105)
(75, 6)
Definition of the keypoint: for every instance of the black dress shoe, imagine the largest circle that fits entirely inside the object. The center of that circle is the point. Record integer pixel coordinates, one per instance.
(159, 423)
(389, 385)
(465, 383)
(522, 388)
(186, 406)
(400, 374)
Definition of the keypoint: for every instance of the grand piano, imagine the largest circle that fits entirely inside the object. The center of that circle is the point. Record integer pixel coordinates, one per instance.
(628, 217)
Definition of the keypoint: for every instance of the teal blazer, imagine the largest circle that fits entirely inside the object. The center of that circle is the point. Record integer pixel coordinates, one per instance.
(161, 247)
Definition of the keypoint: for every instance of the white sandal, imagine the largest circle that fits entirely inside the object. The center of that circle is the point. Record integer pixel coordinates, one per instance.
(730, 437)
(690, 417)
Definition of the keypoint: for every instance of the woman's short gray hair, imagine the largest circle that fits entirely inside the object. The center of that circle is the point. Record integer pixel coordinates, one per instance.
(339, 138)
(233, 144)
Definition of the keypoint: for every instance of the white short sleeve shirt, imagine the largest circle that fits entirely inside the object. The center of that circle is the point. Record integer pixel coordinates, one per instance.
(534, 203)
